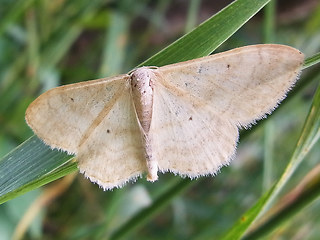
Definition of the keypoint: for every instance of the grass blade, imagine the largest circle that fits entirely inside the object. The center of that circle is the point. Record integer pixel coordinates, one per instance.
(245, 221)
(301, 196)
(141, 217)
(209, 35)
(312, 60)
(18, 167)
(309, 136)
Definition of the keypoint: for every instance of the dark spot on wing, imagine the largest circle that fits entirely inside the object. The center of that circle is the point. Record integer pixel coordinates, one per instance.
(190, 118)
(228, 66)
(72, 99)
(108, 131)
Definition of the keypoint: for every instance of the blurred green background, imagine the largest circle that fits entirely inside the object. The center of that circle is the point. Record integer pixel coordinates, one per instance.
(44, 44)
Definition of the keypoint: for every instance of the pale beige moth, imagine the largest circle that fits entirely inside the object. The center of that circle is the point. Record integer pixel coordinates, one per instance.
(182, 118)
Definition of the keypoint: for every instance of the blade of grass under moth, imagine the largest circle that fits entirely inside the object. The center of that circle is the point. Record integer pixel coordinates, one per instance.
(135, 221)
(142, 216)
(17, 168)
(246, 219)
(209, 35)
(309, 136)
(292, 203)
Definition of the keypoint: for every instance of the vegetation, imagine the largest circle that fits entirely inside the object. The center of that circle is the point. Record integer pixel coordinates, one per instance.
(271, 189)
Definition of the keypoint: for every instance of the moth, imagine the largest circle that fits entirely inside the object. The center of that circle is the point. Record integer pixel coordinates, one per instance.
(182, 118)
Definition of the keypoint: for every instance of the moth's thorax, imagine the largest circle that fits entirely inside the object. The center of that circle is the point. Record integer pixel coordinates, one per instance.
(142, 93)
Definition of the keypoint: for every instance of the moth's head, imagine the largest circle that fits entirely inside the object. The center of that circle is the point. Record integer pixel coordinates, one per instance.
(142, 74)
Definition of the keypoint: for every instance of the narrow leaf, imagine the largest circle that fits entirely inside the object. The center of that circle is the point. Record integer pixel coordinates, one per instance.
(209, 35)
(309, 136)
(245, 221)
(301, 196)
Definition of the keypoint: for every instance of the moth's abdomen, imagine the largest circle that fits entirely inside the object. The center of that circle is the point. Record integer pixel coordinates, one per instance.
(142, 93)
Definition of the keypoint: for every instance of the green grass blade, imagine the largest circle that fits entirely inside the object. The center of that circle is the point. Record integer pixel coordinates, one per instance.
(209, 35)
(301, 196)
(312, 60)
(245, 221)
(62, 171)
(310, 135)
(27, 163)
(141, 217)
